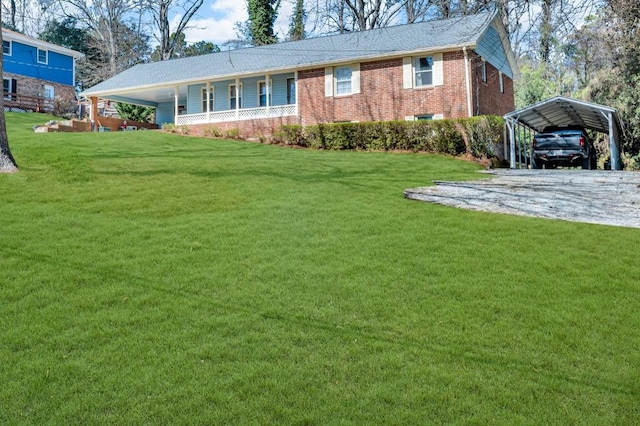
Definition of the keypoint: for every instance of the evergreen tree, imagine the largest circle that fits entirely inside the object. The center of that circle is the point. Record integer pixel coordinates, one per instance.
(298, 18)
(134, 112)
(262, 16)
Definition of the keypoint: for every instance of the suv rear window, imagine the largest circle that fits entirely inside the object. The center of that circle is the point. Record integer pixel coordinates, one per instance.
(559, 139)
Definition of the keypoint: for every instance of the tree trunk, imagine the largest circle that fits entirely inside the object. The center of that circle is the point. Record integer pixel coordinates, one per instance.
(7, 163)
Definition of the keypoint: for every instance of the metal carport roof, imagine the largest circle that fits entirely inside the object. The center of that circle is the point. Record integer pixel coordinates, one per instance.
(561, 111)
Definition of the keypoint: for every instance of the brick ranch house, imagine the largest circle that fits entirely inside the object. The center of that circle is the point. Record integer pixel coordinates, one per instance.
(36, 72)
(451, 68)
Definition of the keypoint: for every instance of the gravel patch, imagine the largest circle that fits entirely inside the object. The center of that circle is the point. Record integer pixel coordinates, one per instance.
(601, 197)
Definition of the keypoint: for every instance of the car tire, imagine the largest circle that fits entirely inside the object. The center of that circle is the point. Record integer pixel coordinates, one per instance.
(586, 163)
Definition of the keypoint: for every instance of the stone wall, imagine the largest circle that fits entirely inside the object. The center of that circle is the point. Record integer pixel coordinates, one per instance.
(34, 87)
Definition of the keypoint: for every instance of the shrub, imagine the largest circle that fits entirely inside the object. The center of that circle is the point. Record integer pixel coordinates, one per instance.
(476, 136)
(169, 127)
(212, 131)
(232, 133)
(64, 108)
(290, 134)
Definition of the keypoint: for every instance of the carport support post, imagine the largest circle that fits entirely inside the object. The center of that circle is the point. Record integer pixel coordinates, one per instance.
(613, 145)
(512, 144)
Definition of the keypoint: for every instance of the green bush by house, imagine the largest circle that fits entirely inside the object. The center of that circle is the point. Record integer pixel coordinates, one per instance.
(476, 136)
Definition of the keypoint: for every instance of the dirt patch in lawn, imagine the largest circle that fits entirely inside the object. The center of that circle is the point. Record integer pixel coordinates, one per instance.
(602, 197)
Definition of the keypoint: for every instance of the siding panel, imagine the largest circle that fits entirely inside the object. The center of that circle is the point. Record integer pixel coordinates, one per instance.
(24, 61)
(491, 49)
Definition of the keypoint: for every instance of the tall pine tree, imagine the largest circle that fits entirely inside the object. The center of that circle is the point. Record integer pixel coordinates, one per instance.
(298, 17)
(262, 16)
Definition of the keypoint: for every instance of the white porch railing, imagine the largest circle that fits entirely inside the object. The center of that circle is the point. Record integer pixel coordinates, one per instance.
(237, 115)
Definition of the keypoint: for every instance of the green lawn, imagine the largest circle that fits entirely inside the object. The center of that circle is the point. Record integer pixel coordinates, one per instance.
(148, 278)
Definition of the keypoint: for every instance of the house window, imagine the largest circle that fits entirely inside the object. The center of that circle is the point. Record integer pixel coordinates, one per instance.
(291, 91)
(49, 92)
(6, 47)
(501, 83)
(203, 97)
(424, 71)
(264, 92)
(6, 88)
(235, 96)
(483, 70)
(424, 117)
(43, 56)
(343, 80)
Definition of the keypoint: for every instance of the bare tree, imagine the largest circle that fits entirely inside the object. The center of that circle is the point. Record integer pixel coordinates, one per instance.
(368, 14)
(161, 11)
(7, 162)
(416, 10)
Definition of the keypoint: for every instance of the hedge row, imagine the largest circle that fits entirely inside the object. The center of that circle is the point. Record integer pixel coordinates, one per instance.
(477, 136)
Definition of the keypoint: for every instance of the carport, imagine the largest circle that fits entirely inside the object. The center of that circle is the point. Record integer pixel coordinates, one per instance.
(561, 111)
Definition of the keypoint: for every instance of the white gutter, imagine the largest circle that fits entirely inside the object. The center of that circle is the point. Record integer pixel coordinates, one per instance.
(467, 80)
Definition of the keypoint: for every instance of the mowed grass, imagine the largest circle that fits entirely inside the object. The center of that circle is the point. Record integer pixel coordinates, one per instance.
(149, 278)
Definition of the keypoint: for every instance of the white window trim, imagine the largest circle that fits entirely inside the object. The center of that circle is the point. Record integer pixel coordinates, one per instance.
(416, 70)
(295, 91)
(46, 52)
(409, 71)
(335, 81)
(7, 97)
(331, 82)
(203, 95)
(239, 96)
(269, 88)
(483, 71)
(10, 47)
(53, 92)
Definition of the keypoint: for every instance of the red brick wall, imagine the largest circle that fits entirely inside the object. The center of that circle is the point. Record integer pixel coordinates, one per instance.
(487, 98)
(382, 94)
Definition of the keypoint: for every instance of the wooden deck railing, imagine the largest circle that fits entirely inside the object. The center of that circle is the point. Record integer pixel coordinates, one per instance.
(27, 103)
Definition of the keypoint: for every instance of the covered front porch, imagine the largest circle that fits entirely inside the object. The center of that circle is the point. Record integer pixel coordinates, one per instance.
(227, 100)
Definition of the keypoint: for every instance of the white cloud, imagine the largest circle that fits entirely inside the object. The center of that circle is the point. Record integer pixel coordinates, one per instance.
(216, 24)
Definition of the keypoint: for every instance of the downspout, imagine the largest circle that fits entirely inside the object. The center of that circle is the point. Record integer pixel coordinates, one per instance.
(467, 80)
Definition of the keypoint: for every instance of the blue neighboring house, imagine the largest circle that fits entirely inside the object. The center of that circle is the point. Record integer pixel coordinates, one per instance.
(36, 73)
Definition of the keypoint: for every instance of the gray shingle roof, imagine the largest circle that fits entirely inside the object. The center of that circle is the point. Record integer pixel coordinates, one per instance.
(319, 51)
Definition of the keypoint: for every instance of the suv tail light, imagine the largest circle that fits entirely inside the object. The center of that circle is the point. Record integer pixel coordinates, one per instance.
(582, 141)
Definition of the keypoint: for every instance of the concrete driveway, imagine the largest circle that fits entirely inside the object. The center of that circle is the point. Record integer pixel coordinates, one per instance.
(603, 197)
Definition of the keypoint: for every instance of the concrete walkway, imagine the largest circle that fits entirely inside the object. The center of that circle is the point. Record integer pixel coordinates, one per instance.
(601, 197)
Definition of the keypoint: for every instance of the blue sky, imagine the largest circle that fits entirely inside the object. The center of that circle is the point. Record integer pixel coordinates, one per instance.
(215, 20)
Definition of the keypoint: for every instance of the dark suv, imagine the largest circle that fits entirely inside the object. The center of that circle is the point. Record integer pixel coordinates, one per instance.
(567, 146)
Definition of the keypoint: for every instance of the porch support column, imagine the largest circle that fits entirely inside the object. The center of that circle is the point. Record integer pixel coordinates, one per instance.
(94, 112)
(237, 99)
(295, 85)
(175, 105)
(208, 96)
(268, 88)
